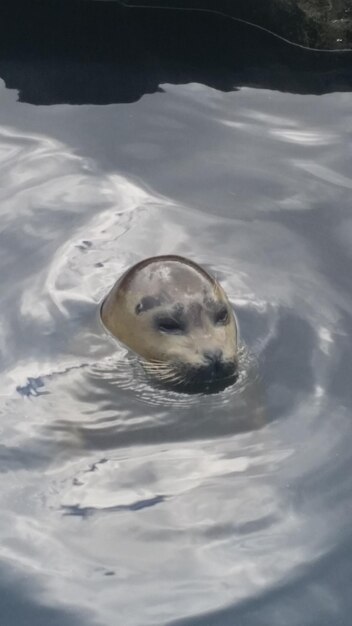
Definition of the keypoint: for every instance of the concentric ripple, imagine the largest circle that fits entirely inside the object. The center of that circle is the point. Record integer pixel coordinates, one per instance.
(120, 498)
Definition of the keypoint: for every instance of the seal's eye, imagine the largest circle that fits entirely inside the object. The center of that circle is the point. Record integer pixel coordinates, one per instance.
(222, 316)
(169, 325)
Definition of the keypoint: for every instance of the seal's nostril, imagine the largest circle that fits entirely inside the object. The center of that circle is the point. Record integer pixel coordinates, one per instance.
(213, 356)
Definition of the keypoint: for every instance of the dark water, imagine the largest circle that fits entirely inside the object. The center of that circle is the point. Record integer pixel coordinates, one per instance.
(122, 504)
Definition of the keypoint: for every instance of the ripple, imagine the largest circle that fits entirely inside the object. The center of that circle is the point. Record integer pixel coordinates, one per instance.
(177, 505)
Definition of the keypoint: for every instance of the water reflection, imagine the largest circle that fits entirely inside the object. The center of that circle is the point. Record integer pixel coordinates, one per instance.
(118, 498)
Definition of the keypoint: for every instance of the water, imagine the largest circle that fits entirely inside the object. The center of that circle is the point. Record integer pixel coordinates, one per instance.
(124, 504)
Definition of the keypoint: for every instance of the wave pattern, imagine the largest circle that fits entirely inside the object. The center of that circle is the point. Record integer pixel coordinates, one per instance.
(119, 498)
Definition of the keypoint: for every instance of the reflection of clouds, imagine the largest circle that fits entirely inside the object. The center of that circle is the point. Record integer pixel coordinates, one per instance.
(47, 191)
(227, 529)
(325, 174)
(196, 532)
(115, 225)
(269, 119)
(326, 339)
(308, 139)
(278, 128)
(241, 514)
(171, 472)
(305, 137)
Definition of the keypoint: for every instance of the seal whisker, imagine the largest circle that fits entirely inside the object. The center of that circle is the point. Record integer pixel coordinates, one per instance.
(169, 375)
(165, 372)
(155, 366)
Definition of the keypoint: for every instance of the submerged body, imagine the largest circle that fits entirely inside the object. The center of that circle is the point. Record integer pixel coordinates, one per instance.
(177, 317)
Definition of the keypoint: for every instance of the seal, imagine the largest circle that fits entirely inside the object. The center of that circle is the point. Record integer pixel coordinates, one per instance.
(178, 319)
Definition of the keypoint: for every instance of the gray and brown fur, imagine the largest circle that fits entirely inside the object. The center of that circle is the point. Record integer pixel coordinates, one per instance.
(179, 293)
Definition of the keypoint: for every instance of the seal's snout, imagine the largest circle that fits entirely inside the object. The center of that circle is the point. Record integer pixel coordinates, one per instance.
(216, 366)
(213, 357)
(214, 374)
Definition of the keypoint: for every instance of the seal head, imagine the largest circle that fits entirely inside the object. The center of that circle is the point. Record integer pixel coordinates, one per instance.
(177, 317)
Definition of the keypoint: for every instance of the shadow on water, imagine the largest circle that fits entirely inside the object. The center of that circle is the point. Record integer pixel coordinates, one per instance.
(83, 52)
(17, 599)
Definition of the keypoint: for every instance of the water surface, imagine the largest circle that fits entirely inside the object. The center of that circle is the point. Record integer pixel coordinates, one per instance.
(127, 505)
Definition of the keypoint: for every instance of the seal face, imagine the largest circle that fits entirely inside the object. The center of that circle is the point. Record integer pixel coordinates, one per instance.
(177, 317)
